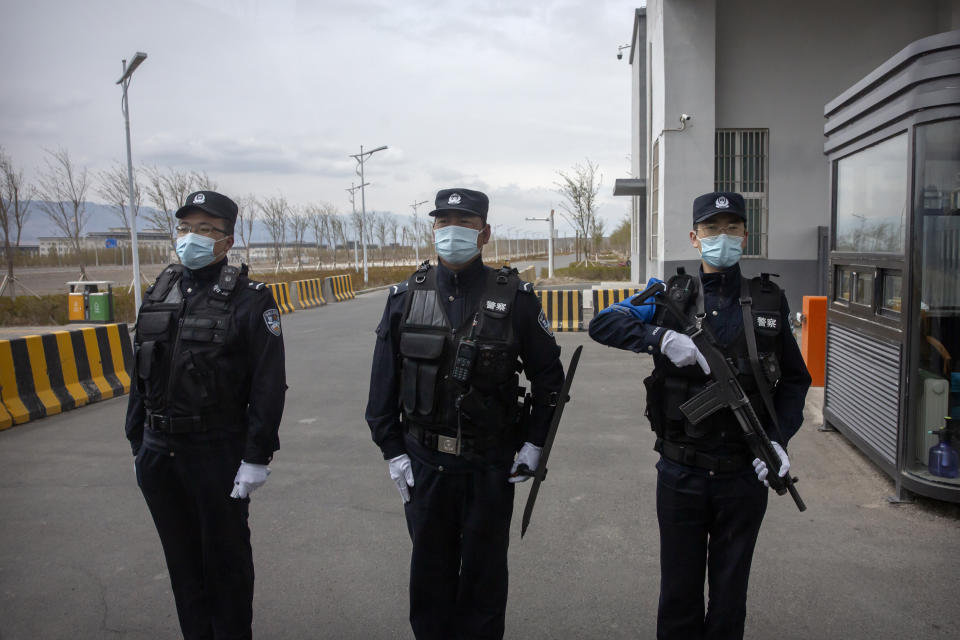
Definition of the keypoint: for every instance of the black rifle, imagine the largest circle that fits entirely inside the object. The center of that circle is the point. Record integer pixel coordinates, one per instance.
(724, 391)
(540, 473)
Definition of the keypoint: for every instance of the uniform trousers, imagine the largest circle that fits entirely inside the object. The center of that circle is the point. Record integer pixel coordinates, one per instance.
(708, 526)
(459, 523)
(204, 533)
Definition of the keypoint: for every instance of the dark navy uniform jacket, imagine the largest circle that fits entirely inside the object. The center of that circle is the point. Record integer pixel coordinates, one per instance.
(460, 293)
(620, 326)
(265, 382)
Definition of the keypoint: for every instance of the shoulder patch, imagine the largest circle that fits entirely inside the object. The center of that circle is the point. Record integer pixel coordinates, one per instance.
(526, 287)
(271, 317)
(399, 288)
(544, 323)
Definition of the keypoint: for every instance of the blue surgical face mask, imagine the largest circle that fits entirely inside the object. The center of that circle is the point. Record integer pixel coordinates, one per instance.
(721, 251)
(456, 245)
(195, 251)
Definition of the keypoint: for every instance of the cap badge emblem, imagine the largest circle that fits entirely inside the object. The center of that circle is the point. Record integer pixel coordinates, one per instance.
(454, 199)
(722, 202)
(199, 198)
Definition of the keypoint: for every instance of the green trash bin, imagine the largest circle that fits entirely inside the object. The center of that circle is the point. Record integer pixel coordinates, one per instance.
(101, 307)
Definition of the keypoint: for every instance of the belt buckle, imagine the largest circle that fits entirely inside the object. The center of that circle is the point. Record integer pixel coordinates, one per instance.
(160, 423)
(446, 444)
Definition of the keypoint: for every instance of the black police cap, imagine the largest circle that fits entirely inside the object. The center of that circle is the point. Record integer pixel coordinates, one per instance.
(464, 200)
(710, 204)
(211, 202)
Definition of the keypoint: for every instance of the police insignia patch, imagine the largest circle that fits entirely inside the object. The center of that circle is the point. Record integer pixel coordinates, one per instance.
(544, 323)
(272, 319)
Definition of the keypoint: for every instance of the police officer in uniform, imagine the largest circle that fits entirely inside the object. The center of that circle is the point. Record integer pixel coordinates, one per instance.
(446, 410)
(203, 416)
(711, 496)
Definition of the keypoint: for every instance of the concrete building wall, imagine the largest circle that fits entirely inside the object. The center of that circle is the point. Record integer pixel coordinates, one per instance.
(770, 65)
(686, 162)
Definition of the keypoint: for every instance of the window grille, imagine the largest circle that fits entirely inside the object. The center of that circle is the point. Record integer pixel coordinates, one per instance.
(742, 165)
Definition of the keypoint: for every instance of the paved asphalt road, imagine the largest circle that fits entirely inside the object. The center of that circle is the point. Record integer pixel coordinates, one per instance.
(79, 556)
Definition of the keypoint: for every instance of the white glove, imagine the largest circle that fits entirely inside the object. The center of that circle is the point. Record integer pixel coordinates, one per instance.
(761, 467)
(402, 474)
(249, 477)
(681, 350)
(530, 456)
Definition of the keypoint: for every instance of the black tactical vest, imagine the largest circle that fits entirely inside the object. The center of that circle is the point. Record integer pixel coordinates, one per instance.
(671, 386)
(483, 402)
(189, 362)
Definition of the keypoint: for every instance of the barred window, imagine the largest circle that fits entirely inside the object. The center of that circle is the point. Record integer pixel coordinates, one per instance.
(655, 199)
(741, 165)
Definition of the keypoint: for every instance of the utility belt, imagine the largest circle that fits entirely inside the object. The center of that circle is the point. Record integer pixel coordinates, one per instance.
(191, 424)
(465, 445)
(690, 457)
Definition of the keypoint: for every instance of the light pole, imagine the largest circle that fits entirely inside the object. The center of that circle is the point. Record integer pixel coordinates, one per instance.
(549, 244)
(353, 205)
(124, 82)
(361, 158)
(416, 228)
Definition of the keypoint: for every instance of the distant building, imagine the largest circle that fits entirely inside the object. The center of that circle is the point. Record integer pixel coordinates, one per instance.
(117, 237)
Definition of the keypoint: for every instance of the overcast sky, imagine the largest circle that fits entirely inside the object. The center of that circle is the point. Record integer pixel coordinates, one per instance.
(270, 96)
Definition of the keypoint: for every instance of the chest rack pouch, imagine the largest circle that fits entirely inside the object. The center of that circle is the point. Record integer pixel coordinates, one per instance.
(153, 340)
(421, 362)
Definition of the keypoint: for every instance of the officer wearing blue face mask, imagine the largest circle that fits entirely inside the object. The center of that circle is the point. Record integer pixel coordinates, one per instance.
(203, 416)
(711, 493)
(447, 410)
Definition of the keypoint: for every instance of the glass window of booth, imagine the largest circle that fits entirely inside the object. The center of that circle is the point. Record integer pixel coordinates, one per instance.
(872, 198)
(937, 228)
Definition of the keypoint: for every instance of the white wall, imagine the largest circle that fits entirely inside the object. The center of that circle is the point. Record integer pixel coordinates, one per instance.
(689, 50)
(777, 65)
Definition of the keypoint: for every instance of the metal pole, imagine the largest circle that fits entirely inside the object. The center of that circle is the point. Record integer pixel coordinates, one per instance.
(363, 214)
(416, 228)
(135, 258)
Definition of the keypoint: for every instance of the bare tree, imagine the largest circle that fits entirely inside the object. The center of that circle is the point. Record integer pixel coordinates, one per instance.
(15, 200)
(113, 186)
(596, 232)
(61, 195)
(247, 209)
(392, 226)
(299, 222)
(338, 232)
(360, 228)
(274, 214)
(378, 225)
(579, 189)
(167, 190)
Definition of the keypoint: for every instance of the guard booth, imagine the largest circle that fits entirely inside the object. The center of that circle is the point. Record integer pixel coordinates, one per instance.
(90, 301)
(893, 321)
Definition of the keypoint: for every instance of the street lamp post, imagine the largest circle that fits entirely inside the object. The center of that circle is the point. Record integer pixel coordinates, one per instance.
(416, 228)
(124, 82)
(361, 158)
(353, 205)
(550, 243)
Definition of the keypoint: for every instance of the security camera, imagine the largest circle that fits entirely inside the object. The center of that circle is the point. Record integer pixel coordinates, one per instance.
(619, 55)
(684, 117)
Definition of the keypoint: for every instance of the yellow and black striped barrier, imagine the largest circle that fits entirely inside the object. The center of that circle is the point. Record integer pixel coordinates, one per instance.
(563, 308)
(603, 298)
(309, 293)
(281, 294)
(340, 287)
(46, 374)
